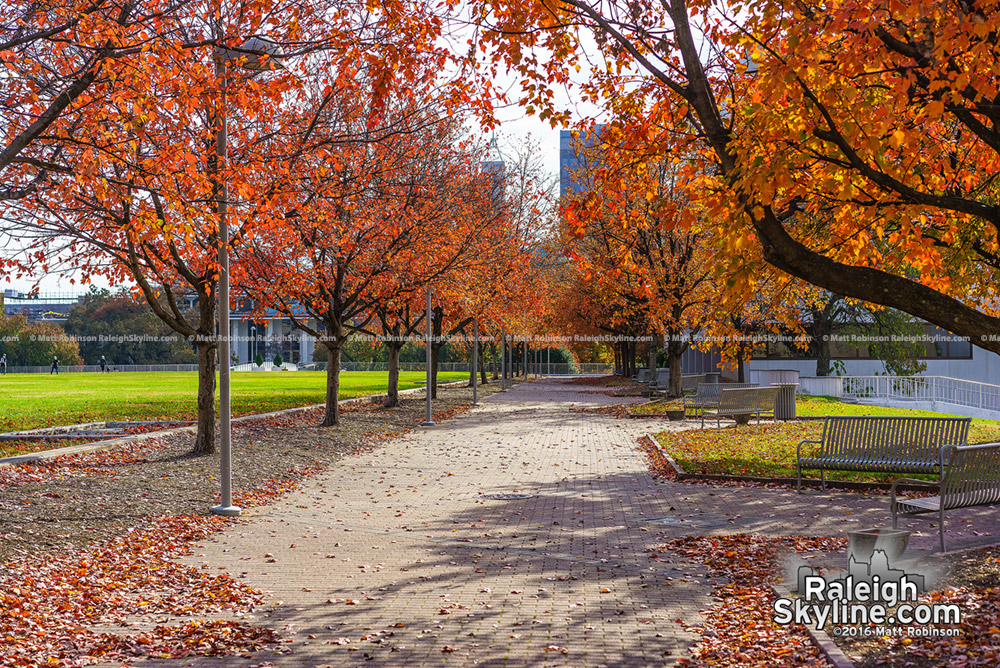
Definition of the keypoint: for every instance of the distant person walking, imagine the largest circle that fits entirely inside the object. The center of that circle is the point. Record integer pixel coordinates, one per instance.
(3, 364)
(55, 366)
(104, 364)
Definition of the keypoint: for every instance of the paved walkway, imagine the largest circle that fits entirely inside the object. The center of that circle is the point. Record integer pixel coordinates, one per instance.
(401, 556)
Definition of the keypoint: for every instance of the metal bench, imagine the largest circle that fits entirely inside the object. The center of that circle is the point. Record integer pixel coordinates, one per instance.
(742, 402)
(882, 445)
(707, 395)
(642, 376)
(662, 382)
(971, 478)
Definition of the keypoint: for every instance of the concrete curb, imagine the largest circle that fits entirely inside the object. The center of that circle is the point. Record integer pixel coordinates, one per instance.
(111, 443)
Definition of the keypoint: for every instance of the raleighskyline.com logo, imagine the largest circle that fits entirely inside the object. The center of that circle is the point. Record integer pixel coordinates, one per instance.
(871, 599)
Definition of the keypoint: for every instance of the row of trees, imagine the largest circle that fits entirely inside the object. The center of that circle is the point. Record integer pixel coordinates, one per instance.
(343, 169)
(815, 151)
(647, 266)
(750, 152)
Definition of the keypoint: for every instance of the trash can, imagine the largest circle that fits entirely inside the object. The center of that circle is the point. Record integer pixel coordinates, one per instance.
(784, 404)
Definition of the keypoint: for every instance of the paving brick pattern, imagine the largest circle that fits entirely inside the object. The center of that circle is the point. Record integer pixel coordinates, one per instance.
(400, 557)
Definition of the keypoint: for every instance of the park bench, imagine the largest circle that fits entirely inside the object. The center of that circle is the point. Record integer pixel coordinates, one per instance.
(662, 382)
(642, 376)
(881, 445)
(741, 404)
(707, 395)
(970, 477)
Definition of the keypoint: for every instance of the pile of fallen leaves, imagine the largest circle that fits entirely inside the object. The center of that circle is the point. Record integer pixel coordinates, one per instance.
(51, 602)
(977, 645)
(974, 585)
(659, 465)
(614, 410)
(99, 463)
(738, 630)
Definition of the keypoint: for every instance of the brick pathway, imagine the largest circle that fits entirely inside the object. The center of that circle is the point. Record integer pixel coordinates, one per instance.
(400, 557)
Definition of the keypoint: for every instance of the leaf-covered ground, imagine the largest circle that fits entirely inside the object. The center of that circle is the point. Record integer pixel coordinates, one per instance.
(89, 541)
(974, 584)
(738, 631)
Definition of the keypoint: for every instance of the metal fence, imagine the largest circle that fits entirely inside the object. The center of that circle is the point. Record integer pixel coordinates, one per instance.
(93, 368)
(540, 368)
(924, 388)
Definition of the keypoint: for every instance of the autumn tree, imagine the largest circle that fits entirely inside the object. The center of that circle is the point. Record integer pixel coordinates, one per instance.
(148, 174)
(856, 147)
(53, 55)
(125, 330)
(640, 232)
(375, 217)
(35, 343)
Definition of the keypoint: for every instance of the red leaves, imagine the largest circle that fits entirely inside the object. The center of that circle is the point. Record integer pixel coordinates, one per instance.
(99, 463)
(738, 630)
(52, 601)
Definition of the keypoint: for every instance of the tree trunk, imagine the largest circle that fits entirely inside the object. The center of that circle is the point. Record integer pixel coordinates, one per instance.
(676, 379)
(332, 415)
(472, 369)
(494, 356)
(392, 394)
(435, 355)
(204, 442)
(823, 358)
(675, 351)
(482, 364)
(740, 370)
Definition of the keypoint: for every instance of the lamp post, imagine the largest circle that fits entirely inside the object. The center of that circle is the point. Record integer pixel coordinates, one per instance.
(249, 57)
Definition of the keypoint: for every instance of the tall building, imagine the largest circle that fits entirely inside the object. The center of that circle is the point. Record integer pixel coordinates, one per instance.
(493, 165)
(570, 161)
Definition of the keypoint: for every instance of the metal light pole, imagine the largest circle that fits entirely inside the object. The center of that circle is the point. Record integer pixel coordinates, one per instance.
(475, 362)
(226, 506)
(428, 421)
(249, 55)
(503, 360)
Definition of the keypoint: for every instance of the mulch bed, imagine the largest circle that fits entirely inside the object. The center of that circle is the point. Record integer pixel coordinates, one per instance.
(77, 500)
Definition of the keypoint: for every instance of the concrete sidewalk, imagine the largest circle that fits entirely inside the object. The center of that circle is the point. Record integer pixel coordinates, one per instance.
(406, 556)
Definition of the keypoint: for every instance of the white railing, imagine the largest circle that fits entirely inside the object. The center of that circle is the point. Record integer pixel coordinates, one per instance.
(924, 388)
(266, 366)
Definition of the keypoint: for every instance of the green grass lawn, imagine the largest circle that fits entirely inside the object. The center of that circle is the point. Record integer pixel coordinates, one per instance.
(768, 450)
(805, 406)
(29, 401)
